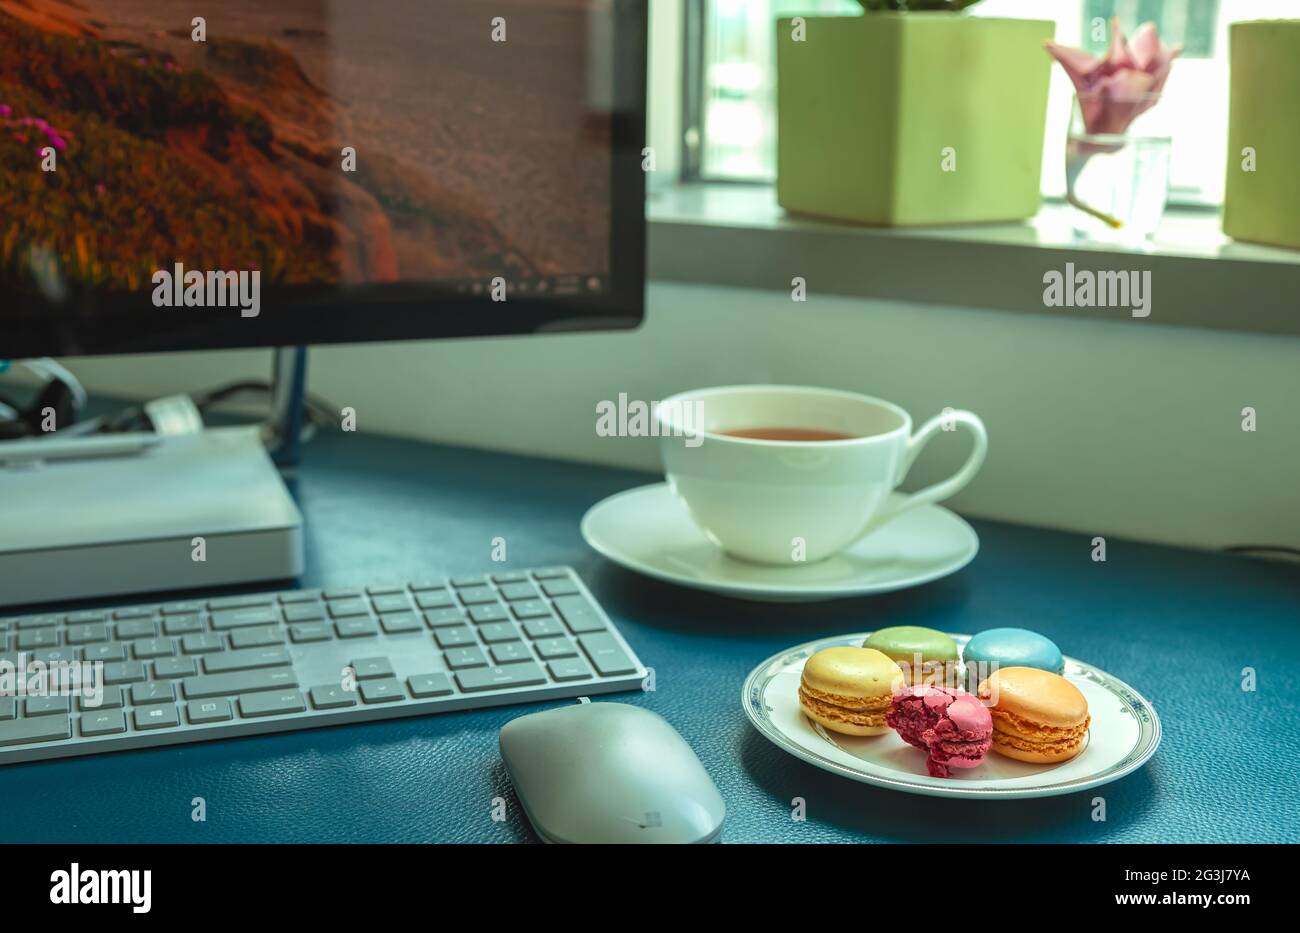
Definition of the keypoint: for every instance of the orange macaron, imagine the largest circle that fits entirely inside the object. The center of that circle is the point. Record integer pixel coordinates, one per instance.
(1038, 716)
(849, 690)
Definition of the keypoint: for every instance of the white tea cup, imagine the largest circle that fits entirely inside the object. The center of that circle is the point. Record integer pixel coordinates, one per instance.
(782, 498)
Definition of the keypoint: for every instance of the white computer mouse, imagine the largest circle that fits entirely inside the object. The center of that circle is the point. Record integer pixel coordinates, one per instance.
(610, 773)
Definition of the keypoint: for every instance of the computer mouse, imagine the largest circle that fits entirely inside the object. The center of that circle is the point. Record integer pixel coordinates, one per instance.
(610, 773)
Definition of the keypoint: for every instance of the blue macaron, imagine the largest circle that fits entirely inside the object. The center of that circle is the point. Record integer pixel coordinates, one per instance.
(1014, 647)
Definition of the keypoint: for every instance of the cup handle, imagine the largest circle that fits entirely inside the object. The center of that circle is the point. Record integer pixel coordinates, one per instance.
(945, 488)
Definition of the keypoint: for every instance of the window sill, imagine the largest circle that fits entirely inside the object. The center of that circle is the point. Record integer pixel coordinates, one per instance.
(737, 235)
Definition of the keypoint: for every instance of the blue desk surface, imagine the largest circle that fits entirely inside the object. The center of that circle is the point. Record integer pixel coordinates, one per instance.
(1178, 625)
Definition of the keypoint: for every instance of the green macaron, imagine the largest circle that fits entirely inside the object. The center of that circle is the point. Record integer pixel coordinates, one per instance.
(906, 644)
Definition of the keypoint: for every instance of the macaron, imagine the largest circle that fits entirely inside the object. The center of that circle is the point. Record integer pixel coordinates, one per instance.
(922, 654)
(995, 648)
(848, 690)
(952, 727)
(1038, 716)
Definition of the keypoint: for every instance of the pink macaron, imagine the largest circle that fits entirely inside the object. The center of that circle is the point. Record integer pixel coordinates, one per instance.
(952, 727)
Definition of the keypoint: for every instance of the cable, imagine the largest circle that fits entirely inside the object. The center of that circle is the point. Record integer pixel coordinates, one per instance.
(1263, 549)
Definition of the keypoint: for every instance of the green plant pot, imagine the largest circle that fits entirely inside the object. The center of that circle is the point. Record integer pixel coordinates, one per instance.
(1263, 205)
(874, 112)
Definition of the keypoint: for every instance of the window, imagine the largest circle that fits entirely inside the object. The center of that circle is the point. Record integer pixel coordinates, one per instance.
(731, 133)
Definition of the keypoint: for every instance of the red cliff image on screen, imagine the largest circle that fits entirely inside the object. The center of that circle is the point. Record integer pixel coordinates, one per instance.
(229, 153)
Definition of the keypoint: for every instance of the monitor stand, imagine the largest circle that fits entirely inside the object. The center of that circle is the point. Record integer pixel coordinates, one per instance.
(110, 516)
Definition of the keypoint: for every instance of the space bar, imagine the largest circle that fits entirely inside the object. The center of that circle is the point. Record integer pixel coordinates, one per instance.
(36, 729)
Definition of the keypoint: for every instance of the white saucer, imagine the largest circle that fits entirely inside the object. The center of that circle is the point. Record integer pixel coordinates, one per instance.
(648, 530)
(1123, 735)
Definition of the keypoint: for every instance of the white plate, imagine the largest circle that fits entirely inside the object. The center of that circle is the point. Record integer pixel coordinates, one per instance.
(648, 530)
(1125, 732)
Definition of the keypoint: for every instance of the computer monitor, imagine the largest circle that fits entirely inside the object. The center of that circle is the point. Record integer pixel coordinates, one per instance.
(377, 170)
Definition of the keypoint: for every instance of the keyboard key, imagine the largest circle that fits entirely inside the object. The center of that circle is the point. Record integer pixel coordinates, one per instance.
(201, 711)
(369, 668)
(82, 618)
(489, 612)
(348, 593)
(517, 576)
(310, 631)
(8, 708)
(510, 652)
(454, 637)
(271, 704)
(530, 609)
(123, 672)
(435, 599)
(37, 729)
(44, 706)
(472, 595)
(436, 617)
(579, 615)
(559, 587)
(389, 589)
(345, 608)
(258, 636)
(569, 669)
(393, 603)
(187, 608)
(156, 717)
(461, 658)
(306, 612)
(428, 685)
(332, 696)
(241, 602)
(153, 692)
(516, 591)
(294, 597)
(497, 632)
(202, 644)
(550, 573)
(111, 698)
(356, 628)
(494, 678)
(175, 667)
(422, 586)
(103, 722)
(398, 622)
(606, 654)
(86, 634)
(110, 652)
(381, 691)
(38, 638)
(147, 648)
(543, 628)
(473, 580)
(222, 685)
(182, 625)
(549, 648)
(136, 628)
(238, 618)
(136, 612)
(55, 655)
(246, 660)
(43, 621)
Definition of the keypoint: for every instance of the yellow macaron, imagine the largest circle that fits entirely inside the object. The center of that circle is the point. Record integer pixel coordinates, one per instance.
(1038, 716)
(849, 690)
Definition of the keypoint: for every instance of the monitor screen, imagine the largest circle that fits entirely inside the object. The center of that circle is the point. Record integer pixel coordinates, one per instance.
(185, 176)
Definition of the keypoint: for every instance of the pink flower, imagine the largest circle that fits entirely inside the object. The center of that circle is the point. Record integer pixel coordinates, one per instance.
(57, 142)
(99, 188)
(6, 110)
(1114, 90)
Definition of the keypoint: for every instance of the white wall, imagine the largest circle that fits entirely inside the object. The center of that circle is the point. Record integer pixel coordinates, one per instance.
(1110, 427)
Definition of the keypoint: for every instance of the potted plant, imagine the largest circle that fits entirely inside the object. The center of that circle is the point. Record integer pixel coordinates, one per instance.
(912, 113)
